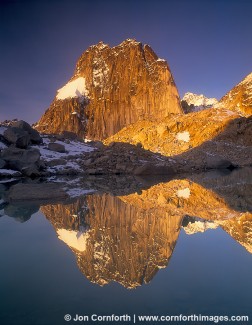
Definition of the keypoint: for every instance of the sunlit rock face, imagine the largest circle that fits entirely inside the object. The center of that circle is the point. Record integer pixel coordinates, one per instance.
(112, 88)
(199, 139)
(239, 98)
(175, 135)
(117, 242)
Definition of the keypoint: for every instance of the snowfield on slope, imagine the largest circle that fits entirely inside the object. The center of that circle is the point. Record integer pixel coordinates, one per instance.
(73, 89)
(73, 148)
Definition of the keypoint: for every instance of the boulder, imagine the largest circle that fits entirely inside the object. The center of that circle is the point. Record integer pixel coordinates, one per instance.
(30, 171)
(53, 146)
(69, 135)
(17, 136)
(34, 135)
(25, 161)
(26, 157)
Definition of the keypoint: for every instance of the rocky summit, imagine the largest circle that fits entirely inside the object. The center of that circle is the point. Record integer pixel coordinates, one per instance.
(193, 103)
(110, 89)
(239, 98)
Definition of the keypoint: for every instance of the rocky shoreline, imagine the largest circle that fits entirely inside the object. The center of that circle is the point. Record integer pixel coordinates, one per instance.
(26, 153)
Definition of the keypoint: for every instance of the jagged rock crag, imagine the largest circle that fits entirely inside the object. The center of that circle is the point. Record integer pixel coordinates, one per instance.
(239, 98)
(110, 89)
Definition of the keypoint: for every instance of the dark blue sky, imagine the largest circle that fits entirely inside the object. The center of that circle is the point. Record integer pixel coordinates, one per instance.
(207, 43)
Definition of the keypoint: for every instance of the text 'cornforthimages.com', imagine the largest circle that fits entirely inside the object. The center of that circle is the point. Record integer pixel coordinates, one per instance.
(154, 318)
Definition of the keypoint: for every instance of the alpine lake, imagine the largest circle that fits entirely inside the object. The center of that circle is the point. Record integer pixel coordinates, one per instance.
(129, 247)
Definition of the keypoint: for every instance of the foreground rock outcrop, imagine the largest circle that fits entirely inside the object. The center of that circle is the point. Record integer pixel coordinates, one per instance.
(110, 89)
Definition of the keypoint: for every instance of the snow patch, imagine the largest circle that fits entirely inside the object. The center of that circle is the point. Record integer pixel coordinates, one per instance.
(9, 172)
(199, 226)
(185, 193)
(73, 89)
(74, 148)
(75, 113)
(183, 136)
(74, 239)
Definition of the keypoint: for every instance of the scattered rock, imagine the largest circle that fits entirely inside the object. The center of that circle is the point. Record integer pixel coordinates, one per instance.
(18, 137)
(99, 145)
(56, 147)
(25, 157)
(56, 162)
(30, 171)
(34, 135)
(69, 135)
(25, 161)
(87, 162)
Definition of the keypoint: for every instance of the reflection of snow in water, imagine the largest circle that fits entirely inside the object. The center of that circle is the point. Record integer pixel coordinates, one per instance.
(199, 226)
(75, 239)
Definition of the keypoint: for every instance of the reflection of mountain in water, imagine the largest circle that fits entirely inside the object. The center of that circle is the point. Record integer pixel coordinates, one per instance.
(127, 238)
(124, 243)
(240, 229)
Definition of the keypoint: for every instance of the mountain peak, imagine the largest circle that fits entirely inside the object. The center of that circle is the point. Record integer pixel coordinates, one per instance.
(239, 98)
(130, 41)
(197, 102)
(110, 89)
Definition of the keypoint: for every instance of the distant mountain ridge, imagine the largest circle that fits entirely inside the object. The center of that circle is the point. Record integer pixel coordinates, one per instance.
(193, 102)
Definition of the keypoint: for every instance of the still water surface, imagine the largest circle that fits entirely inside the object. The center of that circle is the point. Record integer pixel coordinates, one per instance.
(142, 253)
